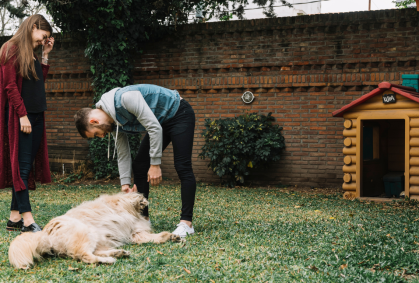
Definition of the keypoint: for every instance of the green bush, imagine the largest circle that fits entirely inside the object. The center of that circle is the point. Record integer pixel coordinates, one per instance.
(236, 145)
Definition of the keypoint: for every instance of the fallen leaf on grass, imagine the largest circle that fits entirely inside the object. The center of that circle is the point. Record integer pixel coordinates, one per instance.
(241, 245)
(187, 271)
(212, 281)
(297, 206)
(331, 218)
(159, 252)
(148, 259)
(343, 266)
(313, 267)
(73, 268)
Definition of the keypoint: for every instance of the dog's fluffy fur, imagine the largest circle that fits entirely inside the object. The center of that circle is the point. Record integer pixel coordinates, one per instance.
(90, 232)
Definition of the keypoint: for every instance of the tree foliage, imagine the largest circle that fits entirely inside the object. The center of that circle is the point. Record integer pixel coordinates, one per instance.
(15, 9)
(404, 3)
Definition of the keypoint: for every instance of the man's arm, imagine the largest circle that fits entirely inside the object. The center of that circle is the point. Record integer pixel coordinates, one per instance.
(124, 158)
(134, 102)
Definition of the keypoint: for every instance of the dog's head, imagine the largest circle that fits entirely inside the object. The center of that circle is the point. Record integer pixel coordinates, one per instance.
(133, 201)
(139, 202)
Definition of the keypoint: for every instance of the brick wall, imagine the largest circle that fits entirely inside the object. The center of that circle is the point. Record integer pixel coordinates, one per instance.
(300, 68)
(68, 89)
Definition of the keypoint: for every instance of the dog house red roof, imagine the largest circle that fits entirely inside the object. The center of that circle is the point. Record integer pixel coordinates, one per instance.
(408, 92)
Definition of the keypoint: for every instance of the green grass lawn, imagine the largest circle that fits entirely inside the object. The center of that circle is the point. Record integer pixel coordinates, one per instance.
(243, 234)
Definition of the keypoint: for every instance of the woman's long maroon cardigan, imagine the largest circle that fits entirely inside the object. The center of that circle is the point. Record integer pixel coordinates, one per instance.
(10, 90)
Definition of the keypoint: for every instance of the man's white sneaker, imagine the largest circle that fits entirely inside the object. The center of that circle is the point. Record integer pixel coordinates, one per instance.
(183, 230)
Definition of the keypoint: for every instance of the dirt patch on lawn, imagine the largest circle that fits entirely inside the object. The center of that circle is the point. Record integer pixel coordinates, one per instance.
(310, 190)
(302, 189)
(169, 182)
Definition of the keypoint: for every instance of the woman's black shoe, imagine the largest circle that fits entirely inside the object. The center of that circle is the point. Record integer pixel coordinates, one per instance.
(14, 226)
(31, 228)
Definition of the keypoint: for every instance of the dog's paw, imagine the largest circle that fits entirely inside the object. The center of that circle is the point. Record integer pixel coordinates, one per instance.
(175, 238)
(24, 267)
(108, 260)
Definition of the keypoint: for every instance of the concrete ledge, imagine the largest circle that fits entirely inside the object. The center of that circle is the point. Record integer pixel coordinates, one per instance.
(377, 199)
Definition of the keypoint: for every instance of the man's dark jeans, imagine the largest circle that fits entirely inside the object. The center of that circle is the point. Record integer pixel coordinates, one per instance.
(180, 131)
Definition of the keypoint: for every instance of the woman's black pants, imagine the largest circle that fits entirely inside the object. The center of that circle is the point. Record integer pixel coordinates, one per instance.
(28, 148)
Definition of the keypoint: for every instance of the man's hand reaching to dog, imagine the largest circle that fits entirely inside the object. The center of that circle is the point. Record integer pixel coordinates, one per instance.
(154, 175)
(127, 189)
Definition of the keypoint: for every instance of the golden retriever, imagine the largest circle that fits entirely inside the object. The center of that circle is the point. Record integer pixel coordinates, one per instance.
(90, 232)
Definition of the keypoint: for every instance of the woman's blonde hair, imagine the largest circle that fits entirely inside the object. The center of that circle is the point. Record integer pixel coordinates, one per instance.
(21, 45)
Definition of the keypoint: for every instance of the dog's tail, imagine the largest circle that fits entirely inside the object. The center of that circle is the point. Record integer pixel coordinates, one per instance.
(27, 247)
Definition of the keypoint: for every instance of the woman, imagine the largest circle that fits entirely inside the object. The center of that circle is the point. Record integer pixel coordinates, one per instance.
(22, 126)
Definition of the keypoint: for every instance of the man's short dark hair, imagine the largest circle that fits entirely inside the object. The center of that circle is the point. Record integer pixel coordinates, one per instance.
(81, 118)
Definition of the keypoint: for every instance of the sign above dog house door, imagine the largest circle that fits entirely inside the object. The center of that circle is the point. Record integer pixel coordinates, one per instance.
(389, 97)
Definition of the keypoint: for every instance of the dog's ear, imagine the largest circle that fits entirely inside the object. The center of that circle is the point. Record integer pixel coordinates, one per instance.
(140, 203)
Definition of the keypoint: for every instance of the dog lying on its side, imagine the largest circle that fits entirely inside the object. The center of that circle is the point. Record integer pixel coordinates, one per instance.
(90, 232)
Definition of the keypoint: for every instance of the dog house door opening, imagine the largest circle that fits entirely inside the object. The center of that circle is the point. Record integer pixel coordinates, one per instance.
(383, 154)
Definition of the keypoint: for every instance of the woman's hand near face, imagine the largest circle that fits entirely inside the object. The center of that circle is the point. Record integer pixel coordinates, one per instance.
(48, 45)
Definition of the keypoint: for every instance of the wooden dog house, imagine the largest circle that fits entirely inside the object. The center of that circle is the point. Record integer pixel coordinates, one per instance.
(381, 131)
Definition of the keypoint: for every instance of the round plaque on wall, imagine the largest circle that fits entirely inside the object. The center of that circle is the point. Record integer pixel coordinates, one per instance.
(248, 97)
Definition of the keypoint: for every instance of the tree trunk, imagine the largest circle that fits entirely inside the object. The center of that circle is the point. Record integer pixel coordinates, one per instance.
(20, 5)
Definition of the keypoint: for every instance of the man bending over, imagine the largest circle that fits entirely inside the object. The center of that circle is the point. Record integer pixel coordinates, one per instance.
(167, 118)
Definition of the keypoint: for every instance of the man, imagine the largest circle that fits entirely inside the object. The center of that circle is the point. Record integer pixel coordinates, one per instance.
(167, 118)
